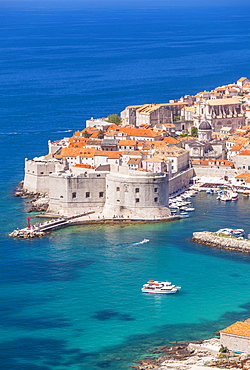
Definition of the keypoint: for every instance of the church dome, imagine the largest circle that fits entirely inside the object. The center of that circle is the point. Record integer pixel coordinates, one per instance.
(205, 125)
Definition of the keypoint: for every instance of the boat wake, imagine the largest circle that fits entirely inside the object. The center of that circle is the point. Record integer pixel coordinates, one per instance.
(142, 242)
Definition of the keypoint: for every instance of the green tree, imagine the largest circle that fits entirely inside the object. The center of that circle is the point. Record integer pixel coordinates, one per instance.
(114, 118)
(86, 134)
(194, 131)
(100, 134)
(177, 118)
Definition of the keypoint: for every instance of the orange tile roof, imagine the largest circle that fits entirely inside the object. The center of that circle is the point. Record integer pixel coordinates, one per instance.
(244, 175)
(239, 328)
(108, 153)
(245, 152)
(83, 166)
(171, 140)
(236, 148)
(75, 152)
(127, 142)
(242, 79)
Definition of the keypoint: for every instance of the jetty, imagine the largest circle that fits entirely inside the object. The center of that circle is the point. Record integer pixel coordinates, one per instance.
(40, 229)
(221, 241)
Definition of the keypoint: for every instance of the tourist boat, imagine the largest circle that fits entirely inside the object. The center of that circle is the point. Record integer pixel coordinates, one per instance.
(160, 287)
(145, 241)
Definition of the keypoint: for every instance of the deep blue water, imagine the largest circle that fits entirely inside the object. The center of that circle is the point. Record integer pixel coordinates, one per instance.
(72, 300)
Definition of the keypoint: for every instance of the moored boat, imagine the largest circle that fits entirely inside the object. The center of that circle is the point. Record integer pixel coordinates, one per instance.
(160, 287)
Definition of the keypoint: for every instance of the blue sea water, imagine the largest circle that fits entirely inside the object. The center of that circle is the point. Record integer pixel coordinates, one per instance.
(72, 300)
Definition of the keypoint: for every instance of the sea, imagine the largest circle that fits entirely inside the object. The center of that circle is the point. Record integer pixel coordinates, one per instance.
(72, 300)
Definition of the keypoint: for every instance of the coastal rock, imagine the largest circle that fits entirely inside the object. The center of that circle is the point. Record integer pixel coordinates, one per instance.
(223, 242)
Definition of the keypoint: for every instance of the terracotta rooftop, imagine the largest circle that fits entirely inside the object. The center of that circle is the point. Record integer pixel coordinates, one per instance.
(239, 328)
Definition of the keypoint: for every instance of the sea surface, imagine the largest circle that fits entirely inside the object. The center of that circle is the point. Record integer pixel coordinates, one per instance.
(72, 300)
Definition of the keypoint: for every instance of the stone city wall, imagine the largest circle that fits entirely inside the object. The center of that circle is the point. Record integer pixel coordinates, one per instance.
(73, 194)
(180, 181)
(36, 178)
(136, 194)
(207, 171)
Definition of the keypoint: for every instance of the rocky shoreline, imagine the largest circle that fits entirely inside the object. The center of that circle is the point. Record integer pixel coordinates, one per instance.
(221, 241)
(199, 355)
(38, 203)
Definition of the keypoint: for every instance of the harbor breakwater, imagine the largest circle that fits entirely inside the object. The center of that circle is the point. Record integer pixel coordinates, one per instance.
(221, 241)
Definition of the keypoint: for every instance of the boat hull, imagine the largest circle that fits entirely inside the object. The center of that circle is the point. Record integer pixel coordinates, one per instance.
(159, 292)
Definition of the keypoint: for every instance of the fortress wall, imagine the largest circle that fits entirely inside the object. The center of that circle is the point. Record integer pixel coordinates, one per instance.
(36, 178)
(138, 195)
(215, 172)
(74, 194)
(180, 181)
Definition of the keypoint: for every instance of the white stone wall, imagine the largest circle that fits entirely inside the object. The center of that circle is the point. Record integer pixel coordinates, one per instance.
(235, 342)
(36, 178)
(136, 195)
(242, 162)
(213, 171)
(72, 194)
(180, 181)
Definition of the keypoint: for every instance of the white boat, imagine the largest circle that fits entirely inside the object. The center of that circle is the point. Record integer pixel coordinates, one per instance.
(145, 241)
(210, 191)
(189, 209)
(227, 195)
(183, 215)
(232, 232)
(160, 287)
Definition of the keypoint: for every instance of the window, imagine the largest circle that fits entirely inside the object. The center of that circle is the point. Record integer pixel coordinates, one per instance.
(137, 190)
(73, 195)
(61, 196)
(87, 194)
(137, 200)
(156, 199)
(101, 194)
(117, 189)
(41, 173)
(155, 190)
(98, 175)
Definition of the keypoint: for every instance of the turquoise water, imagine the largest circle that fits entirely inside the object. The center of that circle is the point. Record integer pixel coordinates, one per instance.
(74, 297)
(72, 300)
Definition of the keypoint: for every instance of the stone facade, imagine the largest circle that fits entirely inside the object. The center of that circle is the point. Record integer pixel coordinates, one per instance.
(235, 342)
(37, 172)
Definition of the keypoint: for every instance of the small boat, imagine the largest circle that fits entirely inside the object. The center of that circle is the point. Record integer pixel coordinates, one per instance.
(232, 232)
(183, 215)
(210, 191)
(189, 209)
(160, 287)
(145, 241)
(227, 195)
(246, 195)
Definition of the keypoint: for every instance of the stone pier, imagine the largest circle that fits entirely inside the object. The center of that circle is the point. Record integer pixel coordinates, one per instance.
(221, 241)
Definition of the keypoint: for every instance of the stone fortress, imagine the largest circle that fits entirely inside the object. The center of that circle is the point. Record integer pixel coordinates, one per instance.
(128, 171)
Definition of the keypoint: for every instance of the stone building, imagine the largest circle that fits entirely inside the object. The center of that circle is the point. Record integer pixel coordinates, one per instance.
(152, 114)
(236, 337)
(220, 112)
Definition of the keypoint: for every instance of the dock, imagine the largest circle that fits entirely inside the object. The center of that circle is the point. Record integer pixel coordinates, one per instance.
(40, 229)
